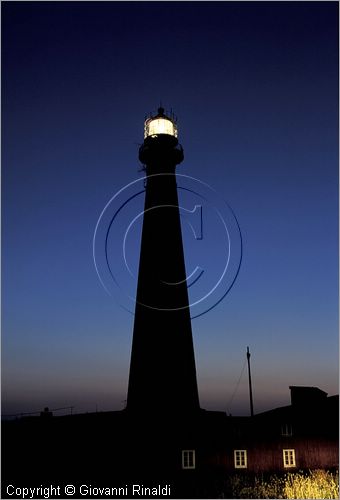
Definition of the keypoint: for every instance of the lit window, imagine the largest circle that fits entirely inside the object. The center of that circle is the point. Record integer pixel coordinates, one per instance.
(240, 459)
(289, 458)
(286, 430)
(188, 459)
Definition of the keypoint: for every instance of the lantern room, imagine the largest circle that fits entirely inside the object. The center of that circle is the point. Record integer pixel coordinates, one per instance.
(160, 124)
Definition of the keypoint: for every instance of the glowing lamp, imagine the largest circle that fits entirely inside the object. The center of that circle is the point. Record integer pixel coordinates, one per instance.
(160, 124)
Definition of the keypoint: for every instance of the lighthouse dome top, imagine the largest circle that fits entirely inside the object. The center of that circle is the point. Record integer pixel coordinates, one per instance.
(160, 124)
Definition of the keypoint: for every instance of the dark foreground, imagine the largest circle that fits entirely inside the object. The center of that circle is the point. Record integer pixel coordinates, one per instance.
(105, 455)
(125, 455)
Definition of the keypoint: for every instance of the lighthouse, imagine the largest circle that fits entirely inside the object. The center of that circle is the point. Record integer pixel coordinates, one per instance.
(162, 379)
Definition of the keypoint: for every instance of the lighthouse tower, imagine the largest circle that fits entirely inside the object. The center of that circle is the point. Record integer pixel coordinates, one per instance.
(162, 377)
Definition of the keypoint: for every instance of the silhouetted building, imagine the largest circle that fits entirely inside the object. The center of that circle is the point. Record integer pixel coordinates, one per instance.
(162, 371)
(307, 396)
(289, 438)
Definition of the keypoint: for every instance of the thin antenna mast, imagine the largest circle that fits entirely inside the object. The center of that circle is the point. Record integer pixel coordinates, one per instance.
(250, 387)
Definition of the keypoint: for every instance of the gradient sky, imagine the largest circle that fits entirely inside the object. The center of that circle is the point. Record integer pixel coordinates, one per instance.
(255, 88)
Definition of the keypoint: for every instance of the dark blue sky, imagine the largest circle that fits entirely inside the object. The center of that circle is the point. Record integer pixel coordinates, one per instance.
(255, 88)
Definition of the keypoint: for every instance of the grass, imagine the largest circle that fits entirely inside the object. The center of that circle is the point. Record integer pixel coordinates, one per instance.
(317, 484)
(314, 484)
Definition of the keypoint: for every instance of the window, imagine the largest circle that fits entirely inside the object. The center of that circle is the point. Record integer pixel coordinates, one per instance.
(188, 459)
(288, 458)
(286, 430)
(240, 459)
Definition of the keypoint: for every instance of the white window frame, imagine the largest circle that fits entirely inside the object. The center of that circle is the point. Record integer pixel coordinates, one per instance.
(289, 458)
(240, 459)
(286, 430)
(188, 459)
